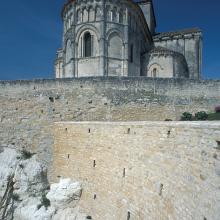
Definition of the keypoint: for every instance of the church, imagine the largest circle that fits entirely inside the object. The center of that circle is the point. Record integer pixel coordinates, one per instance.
(118, 38)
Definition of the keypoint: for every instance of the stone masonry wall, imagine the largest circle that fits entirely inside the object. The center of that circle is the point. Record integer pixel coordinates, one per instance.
(142, 170)
(29, 108)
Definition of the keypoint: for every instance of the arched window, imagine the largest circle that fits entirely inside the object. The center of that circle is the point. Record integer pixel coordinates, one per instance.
(91, 14)
(85, 15)
(79, 16)
(121, 17)
(131, 53)
(114, 15)
(155, 72)
(87, 45)
(109, 15)
(98, 14)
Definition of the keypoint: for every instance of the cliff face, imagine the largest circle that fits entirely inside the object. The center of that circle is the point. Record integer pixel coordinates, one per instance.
(25, 193)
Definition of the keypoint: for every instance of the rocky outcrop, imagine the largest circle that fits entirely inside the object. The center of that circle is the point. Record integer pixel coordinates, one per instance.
(26, 195)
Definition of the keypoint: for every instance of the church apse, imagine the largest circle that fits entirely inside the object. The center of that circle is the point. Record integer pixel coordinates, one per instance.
(119, 38)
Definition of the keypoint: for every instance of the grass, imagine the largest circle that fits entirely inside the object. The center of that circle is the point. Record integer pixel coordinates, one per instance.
(214, 116)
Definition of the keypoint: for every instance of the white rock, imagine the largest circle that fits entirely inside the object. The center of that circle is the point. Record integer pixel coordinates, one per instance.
(30, 211)
(30, 184)
(31, 179)
(64, 194)
(8, 163)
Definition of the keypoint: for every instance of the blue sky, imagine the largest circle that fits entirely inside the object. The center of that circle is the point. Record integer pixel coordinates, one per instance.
(31, 31)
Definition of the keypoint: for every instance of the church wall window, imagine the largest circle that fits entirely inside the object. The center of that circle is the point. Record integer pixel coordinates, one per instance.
(121, 17)
(98, 14)
(114, 15)
(129, 20)
(79, 16)
(131, 53)
(91, 15)
(108, 13)
(154, 73)
(88, 44)
(85, 15)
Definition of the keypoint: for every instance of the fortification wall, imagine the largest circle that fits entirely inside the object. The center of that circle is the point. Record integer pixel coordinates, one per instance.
(142, 170)
(29, 108)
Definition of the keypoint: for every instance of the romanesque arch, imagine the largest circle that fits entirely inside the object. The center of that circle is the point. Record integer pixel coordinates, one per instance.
(154, 70)
(91, 31)
(115, 46)
(69, 53)
(87, 51)
(115, 53)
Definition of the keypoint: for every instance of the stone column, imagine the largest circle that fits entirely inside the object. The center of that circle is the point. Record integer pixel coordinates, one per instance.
(126, 46)
(103, 71)
(200, 57)
(74, 42)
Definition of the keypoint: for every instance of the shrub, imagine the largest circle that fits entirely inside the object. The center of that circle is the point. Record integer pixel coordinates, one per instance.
(21, 166)
(39, 206)
(217, 109)
(15, 197)
(201, 116)
(26, 154)
(168, 119)
(186, 116)
(45, 201)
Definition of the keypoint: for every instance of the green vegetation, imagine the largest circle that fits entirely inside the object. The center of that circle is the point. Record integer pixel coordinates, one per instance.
(186, 116)
(200, 116)
(15, 197)
(214, 116)
(44, 202)
(26, 154)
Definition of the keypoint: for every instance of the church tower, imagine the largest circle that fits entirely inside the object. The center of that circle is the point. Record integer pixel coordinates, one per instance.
(102, 38)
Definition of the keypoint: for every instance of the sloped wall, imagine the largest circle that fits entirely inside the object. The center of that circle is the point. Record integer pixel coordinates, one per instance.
(142, 170)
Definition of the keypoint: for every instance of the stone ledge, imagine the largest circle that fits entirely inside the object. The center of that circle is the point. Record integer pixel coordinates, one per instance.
(193, 124)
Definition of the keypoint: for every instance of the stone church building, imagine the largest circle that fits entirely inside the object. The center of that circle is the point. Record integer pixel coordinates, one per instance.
(119, 38)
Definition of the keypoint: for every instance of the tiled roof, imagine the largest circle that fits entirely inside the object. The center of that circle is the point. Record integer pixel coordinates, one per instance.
(180, 32)
(164, 51)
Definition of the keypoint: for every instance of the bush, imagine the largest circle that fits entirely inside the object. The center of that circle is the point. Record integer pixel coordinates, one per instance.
(186, 116)
(15, 197)
(26, 154)
(217, 109)
(45, 201)
(201, 116)
(168, 119)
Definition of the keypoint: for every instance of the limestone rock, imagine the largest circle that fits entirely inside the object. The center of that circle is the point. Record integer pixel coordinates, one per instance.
(28, 210)
(65, 193)
(29, 176)
(8, 162)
